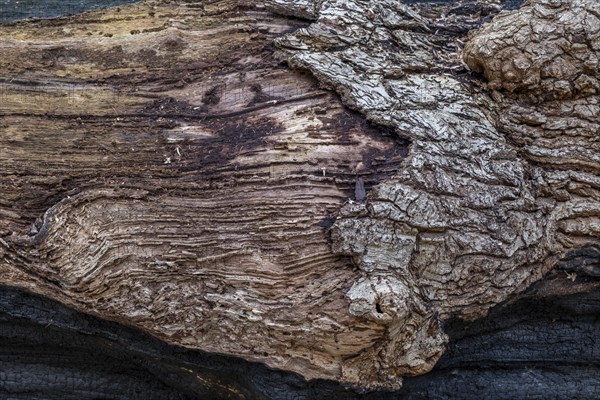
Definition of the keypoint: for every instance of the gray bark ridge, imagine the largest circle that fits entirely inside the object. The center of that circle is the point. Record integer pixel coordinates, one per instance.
(499, 183)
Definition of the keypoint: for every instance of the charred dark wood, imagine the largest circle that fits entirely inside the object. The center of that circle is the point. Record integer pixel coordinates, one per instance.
(545, 344)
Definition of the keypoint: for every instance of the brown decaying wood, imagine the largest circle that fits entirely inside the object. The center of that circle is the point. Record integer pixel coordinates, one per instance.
(181, 180)
(160, 167)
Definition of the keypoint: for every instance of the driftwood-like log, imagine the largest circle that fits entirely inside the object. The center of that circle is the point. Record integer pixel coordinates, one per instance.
(163, 167)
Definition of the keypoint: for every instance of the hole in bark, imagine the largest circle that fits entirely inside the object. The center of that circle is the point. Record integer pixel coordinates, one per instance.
(378, 308)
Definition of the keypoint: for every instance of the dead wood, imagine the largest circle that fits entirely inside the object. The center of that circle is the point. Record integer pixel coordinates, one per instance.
(162, 166)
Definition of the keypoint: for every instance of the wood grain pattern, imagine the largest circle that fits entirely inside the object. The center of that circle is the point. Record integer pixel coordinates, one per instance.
(162, 169)
(162, 166)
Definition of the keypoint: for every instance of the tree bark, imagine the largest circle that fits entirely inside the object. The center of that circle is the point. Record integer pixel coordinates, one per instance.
(325, 187)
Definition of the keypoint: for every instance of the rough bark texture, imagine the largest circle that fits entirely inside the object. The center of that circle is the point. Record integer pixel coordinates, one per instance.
(161, 168)
(479, 210)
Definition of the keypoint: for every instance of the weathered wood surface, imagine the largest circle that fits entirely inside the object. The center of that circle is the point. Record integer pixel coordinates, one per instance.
(161, 167)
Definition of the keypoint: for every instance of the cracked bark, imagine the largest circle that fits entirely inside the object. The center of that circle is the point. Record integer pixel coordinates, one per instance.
(162, 168)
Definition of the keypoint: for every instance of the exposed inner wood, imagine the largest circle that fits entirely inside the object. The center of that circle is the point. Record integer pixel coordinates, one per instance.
(162, 169)
(161, 166)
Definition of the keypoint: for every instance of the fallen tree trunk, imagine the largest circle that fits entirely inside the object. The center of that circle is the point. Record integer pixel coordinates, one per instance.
(163, 167)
